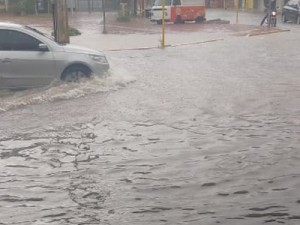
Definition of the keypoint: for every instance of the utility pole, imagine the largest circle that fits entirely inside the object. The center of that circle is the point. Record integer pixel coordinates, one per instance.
(104, 19)
(60, 21)
(163, 24)
(89, 6)
(237, 11)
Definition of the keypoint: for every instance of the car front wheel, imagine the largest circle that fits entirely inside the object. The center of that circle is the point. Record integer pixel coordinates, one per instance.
(75, 73)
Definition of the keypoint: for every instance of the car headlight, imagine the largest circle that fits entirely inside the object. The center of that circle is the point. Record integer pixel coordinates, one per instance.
(273, 13)
(99, 58)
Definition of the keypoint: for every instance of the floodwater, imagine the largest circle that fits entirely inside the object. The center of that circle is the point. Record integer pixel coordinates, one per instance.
(194, 134)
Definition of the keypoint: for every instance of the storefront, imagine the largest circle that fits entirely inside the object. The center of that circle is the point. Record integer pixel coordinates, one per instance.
(243, 4)
(226, 4)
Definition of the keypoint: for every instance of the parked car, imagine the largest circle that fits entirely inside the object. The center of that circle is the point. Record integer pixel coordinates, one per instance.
(291, 11)
(28, 58)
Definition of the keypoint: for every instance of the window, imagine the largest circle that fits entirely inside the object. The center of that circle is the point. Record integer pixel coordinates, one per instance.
(176, 2)
(4, 44)
(159, 2)
(11, 40)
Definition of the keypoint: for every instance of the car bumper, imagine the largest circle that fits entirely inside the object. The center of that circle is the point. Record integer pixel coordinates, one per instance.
(100, 68)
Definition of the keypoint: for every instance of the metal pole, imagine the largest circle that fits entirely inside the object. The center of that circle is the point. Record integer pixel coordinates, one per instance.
(72, 7)
(237, 11)
(163, 24)
(269, 14)
(89, 5)
(104, 21)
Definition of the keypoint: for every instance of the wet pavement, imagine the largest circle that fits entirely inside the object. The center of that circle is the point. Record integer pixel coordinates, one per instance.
(121, 33)
(205, 132)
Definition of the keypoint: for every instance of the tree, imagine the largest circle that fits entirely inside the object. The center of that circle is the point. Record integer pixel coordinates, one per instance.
(23, 6)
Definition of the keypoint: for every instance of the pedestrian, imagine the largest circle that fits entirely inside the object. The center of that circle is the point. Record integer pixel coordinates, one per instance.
(268, 9)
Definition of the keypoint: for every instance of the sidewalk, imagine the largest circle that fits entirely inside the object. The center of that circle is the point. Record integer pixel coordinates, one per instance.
(141, 33)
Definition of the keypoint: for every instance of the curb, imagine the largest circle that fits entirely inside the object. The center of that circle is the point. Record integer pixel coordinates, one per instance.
(175, 45)
(267, 32)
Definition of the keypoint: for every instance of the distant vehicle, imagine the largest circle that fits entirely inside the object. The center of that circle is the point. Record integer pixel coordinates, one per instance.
(273, 19)
(178, 11)
(291, 11)
(28, 58)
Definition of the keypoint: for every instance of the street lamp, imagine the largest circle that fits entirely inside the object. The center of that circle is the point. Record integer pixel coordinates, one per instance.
(163, 24)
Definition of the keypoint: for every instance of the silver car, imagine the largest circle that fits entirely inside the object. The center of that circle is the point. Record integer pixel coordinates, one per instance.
(30, 59)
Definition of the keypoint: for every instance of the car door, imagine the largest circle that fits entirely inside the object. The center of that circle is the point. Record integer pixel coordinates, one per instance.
(23, 63)
(2, 57)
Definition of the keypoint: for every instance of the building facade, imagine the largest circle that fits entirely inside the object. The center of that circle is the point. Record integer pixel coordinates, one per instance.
(255, 5)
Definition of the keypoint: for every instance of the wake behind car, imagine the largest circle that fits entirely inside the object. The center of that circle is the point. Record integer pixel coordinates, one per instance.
(291, 11)
(28, 58)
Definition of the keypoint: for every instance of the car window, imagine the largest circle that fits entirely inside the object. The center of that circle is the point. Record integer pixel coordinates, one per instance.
(4, 41)
(11, 40)
(176, 2)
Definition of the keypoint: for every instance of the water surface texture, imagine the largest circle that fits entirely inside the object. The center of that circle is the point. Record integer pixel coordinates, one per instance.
(193, 134)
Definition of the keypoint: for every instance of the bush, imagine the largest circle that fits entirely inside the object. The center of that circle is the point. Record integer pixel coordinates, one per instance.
(73, 31)
(25, 6)
(123, 16)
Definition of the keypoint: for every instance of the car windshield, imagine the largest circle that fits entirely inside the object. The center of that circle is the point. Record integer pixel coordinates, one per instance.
(40, 33)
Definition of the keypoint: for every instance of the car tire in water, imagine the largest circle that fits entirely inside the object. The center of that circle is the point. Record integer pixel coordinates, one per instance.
(75, 73)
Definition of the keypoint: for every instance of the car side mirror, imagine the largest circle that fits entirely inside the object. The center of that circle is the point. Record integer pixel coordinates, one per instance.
(43, 47)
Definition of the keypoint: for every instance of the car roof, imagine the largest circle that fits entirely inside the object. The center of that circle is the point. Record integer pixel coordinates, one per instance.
(10, 25)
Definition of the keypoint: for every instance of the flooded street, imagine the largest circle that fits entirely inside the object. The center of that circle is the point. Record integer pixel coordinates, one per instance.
(204, 133)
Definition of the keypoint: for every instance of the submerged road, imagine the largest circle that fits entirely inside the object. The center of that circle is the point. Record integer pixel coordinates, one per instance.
(194, 134)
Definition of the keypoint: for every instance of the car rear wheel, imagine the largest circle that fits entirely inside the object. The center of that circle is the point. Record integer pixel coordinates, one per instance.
(298, 20)
(75, 73)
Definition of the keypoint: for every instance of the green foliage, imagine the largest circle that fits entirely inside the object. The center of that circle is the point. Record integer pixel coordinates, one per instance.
(24, 6)
(73, 31)
(123, 16)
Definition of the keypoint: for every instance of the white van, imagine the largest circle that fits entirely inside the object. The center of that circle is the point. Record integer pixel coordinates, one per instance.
(178, 11)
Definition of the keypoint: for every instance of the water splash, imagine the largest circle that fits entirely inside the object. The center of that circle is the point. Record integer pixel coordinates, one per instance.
(115, 79)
